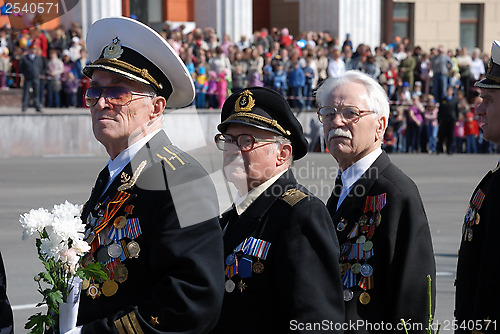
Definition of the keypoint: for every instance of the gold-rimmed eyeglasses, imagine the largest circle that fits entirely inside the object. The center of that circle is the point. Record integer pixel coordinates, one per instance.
(244, 142)
(348, 113)
(116, 95)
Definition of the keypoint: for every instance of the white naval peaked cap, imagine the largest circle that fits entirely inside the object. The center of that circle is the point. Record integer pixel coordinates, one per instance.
(132, 49)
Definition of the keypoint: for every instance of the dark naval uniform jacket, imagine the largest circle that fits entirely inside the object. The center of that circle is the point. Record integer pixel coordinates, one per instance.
(477, 306)
(386, 249)
(299, 286)
(167, 276)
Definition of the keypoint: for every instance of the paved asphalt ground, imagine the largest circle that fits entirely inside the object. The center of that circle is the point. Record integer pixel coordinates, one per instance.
(445, 183)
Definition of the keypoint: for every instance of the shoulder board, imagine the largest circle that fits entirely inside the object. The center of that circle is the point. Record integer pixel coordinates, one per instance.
(172, 157)
(293, 196)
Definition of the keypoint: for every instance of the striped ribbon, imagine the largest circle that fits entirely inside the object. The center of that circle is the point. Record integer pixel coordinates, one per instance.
(111, 266)
(125, 252)
(368, 254)
(349, 279)
(94, 245)
(374, 203)
(116, 233)
(133, 228)
(478, 199)
(232, 269)
(356, 252)
(366, 283)
(111, 209)
(354, 232)
(256, 247)
(239, 247)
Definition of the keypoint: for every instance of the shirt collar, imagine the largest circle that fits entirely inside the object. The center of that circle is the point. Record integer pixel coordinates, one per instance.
(117, 164)
(352, 174)
(242, 203)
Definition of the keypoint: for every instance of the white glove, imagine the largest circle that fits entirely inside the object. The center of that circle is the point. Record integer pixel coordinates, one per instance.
(68, 312)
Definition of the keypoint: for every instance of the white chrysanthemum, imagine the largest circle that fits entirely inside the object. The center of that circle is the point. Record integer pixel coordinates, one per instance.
(81, 247)
(66, 209)
(68, 227)
(35, 221)
(52, 246)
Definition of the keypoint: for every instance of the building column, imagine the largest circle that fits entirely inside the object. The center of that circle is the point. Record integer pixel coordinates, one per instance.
(232, 17)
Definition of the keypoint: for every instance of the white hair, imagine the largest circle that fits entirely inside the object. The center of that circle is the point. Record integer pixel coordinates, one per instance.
(376, 100)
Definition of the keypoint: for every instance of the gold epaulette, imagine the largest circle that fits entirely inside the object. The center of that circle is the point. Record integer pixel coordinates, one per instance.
(128, 324)
(171, 158)
(293, 196)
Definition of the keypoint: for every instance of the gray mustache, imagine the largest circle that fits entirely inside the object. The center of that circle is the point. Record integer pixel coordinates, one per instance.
(338, 132)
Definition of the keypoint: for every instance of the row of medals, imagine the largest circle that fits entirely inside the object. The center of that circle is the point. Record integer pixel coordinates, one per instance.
(471, 218)
(106, 252)
(229, 286)
(365, 269)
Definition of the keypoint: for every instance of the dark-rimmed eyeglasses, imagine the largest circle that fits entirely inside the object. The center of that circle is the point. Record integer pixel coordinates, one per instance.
(327, 114)
(244, 142)
(116, 95)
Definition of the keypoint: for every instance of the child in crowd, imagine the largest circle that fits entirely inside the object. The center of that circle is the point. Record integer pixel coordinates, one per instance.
(417, 89)
(212, 90)
(221, 90)
(70, 86)
(458, 135)
(391, 76)
(471, 131)
(201, 86)
(280, 79)
(239, 78)
(5, 66)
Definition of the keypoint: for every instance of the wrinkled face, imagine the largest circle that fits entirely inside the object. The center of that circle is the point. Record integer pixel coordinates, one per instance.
(350, 141)
(489, 113)
(247, 170)
(119, 125)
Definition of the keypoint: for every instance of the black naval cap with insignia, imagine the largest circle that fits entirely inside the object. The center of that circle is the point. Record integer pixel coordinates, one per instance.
(132, 49)
(264, 109)
(492, 79)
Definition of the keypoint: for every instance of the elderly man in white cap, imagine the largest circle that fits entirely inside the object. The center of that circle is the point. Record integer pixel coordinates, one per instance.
(476, 304)
(152, 217)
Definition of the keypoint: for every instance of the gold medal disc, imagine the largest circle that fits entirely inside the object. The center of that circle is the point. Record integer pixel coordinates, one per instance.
(364, 298)
(120, 222)
(258, 268)
(121, 273)
(85, 284)
(109, 288)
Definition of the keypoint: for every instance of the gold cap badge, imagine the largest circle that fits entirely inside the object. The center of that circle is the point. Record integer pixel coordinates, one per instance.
(245, 102)
(113, 50)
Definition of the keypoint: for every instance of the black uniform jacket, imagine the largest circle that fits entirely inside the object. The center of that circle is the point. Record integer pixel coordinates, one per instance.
(300, 284)
(402, 249)
(6, 320)
(175, 283)
(478, 266)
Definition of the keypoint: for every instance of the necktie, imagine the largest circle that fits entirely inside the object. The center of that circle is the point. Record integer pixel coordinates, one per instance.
(336, 191)
(102, 181)
(232, 218)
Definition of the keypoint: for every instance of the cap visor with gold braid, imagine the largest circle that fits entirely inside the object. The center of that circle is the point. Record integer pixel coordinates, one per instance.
(492, 79)
(267, 110)
(132, 49)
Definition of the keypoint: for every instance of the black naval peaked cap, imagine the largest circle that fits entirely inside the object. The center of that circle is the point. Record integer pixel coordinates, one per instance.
(492, 79)
(267, 110)
(132, 49)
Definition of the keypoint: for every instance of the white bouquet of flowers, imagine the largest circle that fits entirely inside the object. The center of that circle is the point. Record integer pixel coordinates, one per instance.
(60, 247)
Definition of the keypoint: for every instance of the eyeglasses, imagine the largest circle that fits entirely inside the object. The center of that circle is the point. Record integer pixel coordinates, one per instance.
(348, 113)
(116, 95)
(244, 142)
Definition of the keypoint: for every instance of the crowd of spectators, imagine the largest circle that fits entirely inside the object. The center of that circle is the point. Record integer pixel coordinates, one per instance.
(431, 91)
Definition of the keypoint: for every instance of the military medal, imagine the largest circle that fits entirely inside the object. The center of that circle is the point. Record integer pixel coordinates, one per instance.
(121, 273)
(367, 246)
(102, 255)
(349, 279)
(341, 225)
(366, 270)
(109, 288)
(120, 222)
(361, 239)
(93, 291)
(362, 220)
(85, 284)
(114, 250)
(469, 234)
(90, 238)
(230, 259)
(378, 218)
(356, 268)
(258, 267)
(364, 298)
(133, 249)
(477, 219)
(229, 286)
(348, 295)
(242, 286)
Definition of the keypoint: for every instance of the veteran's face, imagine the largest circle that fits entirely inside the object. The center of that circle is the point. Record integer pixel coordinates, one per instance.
(117, 127)
(489, 112)
(247, 170)
(350, 141)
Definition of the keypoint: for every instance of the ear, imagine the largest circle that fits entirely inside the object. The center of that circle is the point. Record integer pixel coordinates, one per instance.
(381, 126)
(159, 104)
(284, 154)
